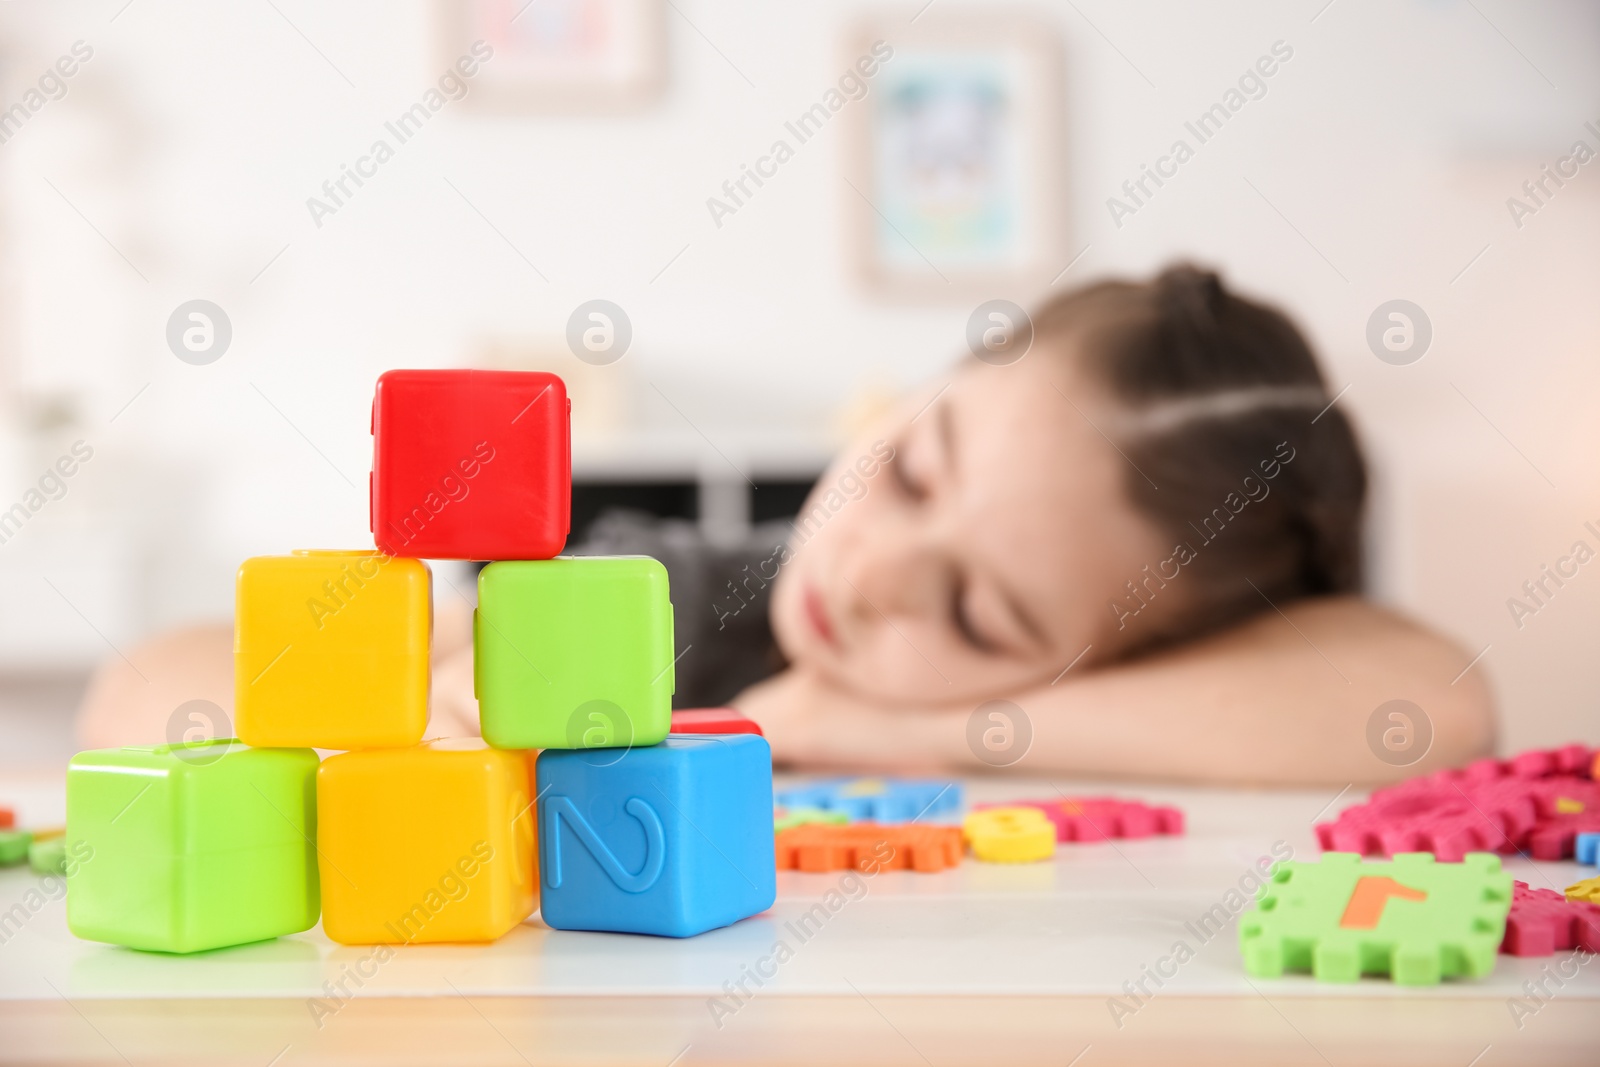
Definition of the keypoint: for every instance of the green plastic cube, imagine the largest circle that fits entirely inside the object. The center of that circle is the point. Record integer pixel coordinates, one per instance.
(574, 652)
(194, 846)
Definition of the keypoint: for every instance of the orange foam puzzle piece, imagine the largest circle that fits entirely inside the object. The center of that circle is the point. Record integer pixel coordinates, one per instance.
(869, 847)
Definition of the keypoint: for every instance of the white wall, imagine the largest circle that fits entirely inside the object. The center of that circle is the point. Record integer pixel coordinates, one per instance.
(1381, 158)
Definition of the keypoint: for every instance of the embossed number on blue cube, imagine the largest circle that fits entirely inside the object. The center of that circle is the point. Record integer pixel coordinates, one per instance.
(674, 839)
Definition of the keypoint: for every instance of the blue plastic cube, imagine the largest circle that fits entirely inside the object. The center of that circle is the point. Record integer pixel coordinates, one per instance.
(674, 839)
(880, 800)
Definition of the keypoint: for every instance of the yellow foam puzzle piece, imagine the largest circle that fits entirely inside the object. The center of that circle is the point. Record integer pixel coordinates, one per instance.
(1588, 889)
(1010, 835)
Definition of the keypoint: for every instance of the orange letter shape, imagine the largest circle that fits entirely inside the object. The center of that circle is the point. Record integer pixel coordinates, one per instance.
(1367, 901)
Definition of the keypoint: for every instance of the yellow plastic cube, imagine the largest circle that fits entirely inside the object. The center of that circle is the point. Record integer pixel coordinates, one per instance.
(330, 650)
(429, 843)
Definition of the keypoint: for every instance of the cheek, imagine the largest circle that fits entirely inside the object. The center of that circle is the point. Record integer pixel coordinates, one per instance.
(885, 666)
(786, 615)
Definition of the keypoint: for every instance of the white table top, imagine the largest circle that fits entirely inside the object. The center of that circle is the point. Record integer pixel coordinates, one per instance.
(1081, 925)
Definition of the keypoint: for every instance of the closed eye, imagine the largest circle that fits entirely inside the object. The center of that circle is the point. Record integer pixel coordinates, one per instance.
(903, 478)
(961, 617)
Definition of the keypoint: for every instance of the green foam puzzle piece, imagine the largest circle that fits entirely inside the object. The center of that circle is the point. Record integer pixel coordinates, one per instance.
(48, 856)
(1344, 917)
(804, 816)
(14, 846)
(574, 652)
(188, 847)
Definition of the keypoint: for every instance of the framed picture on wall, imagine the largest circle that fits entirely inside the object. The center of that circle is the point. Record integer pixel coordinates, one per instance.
(954, 164)
(558, 56)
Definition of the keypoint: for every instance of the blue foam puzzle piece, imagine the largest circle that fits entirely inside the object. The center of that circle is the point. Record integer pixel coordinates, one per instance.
(881, 800)
(674, 839)
(1586, 848)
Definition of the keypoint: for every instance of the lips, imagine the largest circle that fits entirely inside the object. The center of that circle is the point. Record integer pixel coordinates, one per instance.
(817, 616)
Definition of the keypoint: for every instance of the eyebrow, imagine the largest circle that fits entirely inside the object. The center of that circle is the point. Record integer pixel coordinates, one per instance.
(1013, 603)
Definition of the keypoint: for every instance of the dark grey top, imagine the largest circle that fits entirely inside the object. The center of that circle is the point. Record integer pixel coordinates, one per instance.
(720, 597)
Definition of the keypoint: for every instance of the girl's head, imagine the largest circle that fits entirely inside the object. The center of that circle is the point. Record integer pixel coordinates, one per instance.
(1164, 461)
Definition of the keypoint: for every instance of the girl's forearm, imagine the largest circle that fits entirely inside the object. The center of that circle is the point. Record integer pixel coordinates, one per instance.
(1280, 699)
(1283, 698)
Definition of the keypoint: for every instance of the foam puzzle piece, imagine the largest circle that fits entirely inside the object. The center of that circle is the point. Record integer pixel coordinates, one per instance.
(1010, 835)
(1574, 759)
(1489, 805)
(1409, 818)
(784, 818)
(423, 844)
(330, 650)
(1555, 838)
(14, 846)
(1586, 890)
(1542, 921)
(880, 800)
(1557, 794)
(712, 721)
(470, 464)
(188, 847)
(1586, 848)
(48, 856)
(1086, 819)
(675, 839)
(870, 847)
(574, 653)
(1413, 919)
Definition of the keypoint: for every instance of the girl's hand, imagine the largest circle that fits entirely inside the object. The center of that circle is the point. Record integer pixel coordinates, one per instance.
(1284, 698)
(453, 709)
(811, 723)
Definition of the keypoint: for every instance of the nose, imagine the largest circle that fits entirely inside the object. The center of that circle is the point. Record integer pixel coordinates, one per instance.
(896, 568)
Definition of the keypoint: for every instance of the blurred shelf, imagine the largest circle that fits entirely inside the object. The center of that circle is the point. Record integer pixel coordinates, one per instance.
(721, 454)
(726, 479)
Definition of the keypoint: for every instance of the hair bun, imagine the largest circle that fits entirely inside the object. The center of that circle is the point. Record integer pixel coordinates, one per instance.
(1194, 293)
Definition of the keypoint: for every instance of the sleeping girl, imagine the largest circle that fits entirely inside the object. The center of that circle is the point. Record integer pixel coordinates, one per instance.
(1135, 551)
(1146, 535)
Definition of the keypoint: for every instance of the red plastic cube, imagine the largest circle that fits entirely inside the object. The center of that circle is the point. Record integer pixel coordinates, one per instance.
(471, 464)
(712, 721)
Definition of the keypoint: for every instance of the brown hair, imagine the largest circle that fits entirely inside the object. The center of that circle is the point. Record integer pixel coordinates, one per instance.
(1219, 390)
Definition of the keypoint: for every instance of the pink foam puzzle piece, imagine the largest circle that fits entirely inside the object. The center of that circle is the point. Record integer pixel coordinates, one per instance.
(1422, 816)
(1097, 818)
(1555, 838)
(1543, 921)
(1085, 819)
(1563, 806)
(1577, 760)
(1563, 794)
(1488, 805)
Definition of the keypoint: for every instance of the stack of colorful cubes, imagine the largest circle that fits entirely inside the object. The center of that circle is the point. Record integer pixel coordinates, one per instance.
(399, 840)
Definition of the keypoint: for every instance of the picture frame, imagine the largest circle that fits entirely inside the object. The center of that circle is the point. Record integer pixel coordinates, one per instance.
(558, 56)
(954, 166)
